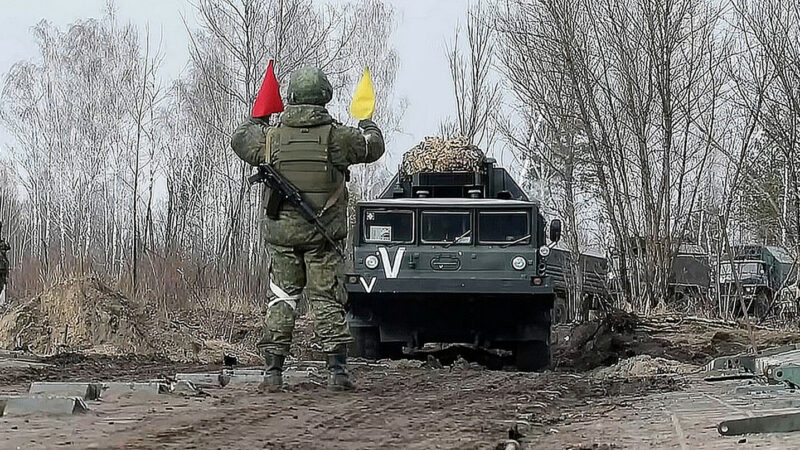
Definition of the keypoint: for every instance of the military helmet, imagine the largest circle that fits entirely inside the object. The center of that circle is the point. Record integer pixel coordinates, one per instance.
(309, 86)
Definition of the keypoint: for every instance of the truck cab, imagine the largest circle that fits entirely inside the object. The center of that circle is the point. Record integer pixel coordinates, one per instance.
(440, 258)
(763, 272)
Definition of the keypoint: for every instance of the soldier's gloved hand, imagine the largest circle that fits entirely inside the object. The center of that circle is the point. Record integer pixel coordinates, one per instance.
(369, 125)
(366, 124)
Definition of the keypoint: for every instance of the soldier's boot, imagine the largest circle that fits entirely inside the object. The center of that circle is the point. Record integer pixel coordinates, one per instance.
(339, 378)
(273, 373)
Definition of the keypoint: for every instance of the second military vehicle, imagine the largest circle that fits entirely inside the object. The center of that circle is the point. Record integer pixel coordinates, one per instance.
(454, 257)
(765, 273)
(690, 278)
(595, 289)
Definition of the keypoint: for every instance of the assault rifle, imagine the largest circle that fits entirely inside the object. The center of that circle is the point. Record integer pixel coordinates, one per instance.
(282, 189)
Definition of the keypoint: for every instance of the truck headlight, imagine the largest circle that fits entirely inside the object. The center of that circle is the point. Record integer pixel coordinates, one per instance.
(544, 251)
(371, 262)
(518, 263)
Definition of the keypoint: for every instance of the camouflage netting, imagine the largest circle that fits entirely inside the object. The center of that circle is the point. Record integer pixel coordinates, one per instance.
(435, 154)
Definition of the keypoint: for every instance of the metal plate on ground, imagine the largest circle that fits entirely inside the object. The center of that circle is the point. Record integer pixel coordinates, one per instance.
(778, 423)
(183, 387)
(211, 380)
(244, 376)
(122, 388)
(44, 405)
(87, 391)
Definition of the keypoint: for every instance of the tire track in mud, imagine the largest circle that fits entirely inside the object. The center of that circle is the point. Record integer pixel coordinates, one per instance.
(405, 410)
(408, 408)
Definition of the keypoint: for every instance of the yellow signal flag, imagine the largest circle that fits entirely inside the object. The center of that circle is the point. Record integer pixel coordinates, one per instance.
(363, 105)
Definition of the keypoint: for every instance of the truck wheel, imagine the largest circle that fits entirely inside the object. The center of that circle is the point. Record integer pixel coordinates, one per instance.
(560, 310)
(368, 345)
(762, 303)
(391, 350)
(367, 342)
(532, 356)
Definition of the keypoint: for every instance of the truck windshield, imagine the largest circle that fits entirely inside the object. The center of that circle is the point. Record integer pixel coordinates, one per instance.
(500, 227)
(388, 226)
(446, 227)
(746, 270)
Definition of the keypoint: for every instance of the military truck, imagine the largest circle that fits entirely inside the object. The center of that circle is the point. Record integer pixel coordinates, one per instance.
(453, 257)
(766, 275)
(690, 278)
(594, 270)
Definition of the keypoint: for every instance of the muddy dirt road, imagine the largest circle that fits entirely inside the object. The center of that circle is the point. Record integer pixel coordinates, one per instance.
(641, 402)
(394, 407)
(412, 408)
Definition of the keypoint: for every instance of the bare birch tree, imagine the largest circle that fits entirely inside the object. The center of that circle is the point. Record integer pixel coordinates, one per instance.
(90, 164)
(476, 95)
(768, 35)
(73, 151)
(639, 77)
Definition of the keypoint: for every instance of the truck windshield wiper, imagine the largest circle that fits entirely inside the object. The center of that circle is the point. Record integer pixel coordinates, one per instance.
(527, 236)
(457, 239)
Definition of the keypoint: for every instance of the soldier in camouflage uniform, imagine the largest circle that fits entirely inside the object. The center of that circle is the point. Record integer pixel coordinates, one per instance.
(5, 266)
(313, 152)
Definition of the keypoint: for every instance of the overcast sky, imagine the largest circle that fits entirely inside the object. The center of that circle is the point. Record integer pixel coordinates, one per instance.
(423, 29)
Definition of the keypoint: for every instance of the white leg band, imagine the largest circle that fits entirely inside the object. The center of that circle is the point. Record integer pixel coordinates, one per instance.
(282, 296)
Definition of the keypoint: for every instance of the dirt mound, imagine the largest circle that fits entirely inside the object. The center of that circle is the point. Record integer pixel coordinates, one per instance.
(78, 314)
(86, 316)
(598, 343)
(644, 366)
(621, 335)
(202, 335)
(688, 340)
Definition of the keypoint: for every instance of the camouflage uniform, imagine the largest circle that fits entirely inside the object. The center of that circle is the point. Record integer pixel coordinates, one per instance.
(300, 258)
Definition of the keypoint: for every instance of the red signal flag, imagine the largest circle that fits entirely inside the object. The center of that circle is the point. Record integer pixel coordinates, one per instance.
(268, 100)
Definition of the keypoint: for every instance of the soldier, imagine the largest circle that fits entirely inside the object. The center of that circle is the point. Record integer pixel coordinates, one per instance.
(5, 265)
(313, 152)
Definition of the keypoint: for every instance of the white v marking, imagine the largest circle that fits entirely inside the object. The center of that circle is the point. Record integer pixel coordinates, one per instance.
(391, 269)
(368, 287)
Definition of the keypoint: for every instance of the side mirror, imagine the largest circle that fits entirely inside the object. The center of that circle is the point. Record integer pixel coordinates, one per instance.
(555, 230)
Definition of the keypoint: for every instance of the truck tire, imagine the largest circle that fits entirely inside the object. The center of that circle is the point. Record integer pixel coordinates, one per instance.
(762, 303)
(367, 341)
(560, 310)
(368, 345)
(532, 356)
